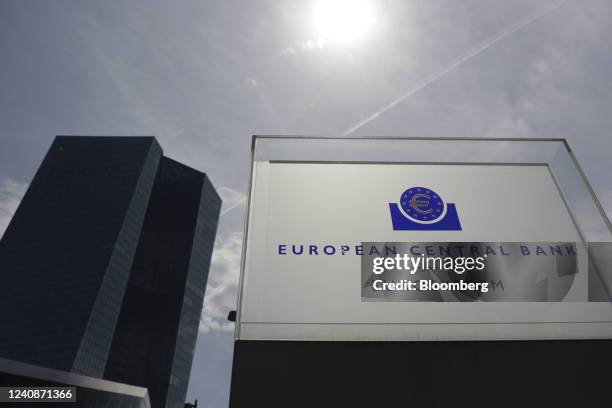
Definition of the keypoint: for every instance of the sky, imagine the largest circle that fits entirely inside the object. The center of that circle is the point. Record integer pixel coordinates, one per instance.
(204, 76)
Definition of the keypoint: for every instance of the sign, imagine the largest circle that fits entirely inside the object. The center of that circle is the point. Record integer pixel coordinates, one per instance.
(312, 224)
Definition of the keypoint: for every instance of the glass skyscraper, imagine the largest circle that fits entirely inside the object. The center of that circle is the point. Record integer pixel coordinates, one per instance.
(105, 264)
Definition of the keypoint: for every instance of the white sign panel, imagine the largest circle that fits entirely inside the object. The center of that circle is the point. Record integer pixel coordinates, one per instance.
(307, 221)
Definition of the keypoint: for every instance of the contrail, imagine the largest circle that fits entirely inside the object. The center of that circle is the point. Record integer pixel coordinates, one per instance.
(231, 207)
(452, 65)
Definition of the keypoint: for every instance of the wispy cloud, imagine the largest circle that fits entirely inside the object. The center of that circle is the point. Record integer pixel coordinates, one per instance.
(11, 193)
(308, 45)
(221, 292)
(222, 288)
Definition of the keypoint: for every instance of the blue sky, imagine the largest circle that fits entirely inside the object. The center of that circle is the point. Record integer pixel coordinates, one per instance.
(203, 76)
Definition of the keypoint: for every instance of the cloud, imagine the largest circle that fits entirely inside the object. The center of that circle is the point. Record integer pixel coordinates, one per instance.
(231, 199)
(222, 288)
(11, 193)
(290, 51)
(308, 45)
(510, 127)
(252, 82)
(311, 45)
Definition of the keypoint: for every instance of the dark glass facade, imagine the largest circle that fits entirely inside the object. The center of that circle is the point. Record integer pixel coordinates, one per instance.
(105, 264)
(66, 255)
(158, 325)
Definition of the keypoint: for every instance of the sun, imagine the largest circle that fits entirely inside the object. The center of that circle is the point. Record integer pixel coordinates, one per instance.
(343, 21)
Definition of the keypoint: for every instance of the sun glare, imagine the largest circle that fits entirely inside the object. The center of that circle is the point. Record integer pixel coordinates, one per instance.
(343, 21)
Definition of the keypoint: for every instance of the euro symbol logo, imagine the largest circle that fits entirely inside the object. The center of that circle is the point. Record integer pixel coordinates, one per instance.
(420, 200)
(421, 208)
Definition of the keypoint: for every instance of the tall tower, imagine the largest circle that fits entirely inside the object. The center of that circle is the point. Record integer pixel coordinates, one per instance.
(155, 336)
(108, 254)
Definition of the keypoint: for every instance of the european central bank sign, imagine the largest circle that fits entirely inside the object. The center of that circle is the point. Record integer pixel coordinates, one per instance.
(409, 239)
